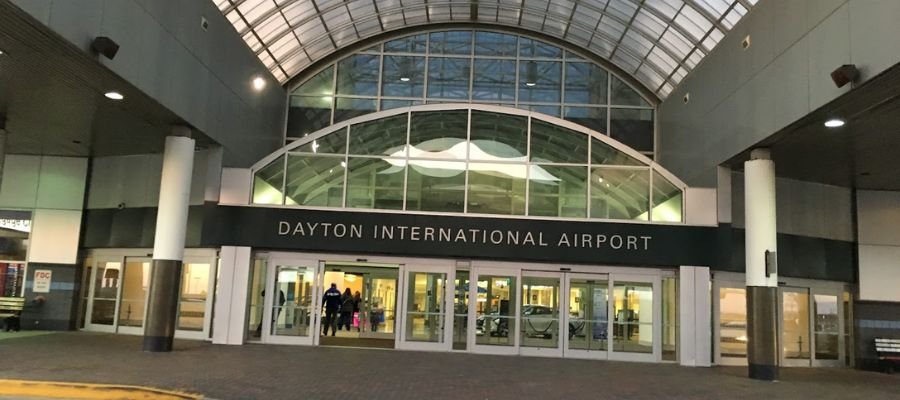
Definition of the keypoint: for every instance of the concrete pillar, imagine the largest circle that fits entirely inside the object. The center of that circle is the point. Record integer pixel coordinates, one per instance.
(762, 287)
(168, 243)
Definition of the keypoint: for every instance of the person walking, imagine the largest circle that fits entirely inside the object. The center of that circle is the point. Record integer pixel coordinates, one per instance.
(346, 310)
(332, 302)
(357, 302)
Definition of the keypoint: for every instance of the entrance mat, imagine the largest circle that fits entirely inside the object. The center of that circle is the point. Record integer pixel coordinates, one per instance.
(73, 390)
(356, 342)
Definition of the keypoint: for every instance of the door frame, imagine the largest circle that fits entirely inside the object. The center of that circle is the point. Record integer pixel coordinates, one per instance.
(793, 362)
(297, 260)
(656, 322)
(446, 336)
(717, 285)
(561, 309)
(89, 325)
(477, 271)
(839, 295)
(580, 353)
(137, 330)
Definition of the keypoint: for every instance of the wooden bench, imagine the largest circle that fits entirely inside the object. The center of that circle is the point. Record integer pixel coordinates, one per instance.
(10, 310)
(888, 352)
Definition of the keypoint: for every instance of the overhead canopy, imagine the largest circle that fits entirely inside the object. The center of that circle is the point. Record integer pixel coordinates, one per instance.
(657, 41)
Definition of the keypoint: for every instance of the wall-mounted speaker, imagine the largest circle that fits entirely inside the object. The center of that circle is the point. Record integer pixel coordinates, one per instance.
(844, 74)
(105, 46)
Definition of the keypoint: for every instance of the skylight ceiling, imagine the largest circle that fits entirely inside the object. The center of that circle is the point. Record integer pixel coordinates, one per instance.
(657, 41)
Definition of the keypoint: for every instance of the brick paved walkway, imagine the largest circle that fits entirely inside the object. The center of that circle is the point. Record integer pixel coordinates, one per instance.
(295, 372)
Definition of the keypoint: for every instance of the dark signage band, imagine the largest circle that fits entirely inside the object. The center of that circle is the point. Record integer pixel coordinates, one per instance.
(510, 239)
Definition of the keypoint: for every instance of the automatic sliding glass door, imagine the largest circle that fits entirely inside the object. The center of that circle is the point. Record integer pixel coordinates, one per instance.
(540, 318)
(495, 311)
(587, 315)
(425, 306)
(636, 328)
(291, 310)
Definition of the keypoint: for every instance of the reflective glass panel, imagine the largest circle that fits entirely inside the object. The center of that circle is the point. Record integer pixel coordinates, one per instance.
(620, 193)
(733, 322)
(535, 48)
(267, 183)
(448, 78)
(438, 134)
(358, 75)
(425, 307)
(106, 291)
(315, 181)
(403, 76)
(496, 188)
(552, 144)
(590, 117)
(623, 95)
(540, 312)
(194, 289)
(540, 81)
(308, 114)
(633, 311)
(135, 284)
(436, 186)
(495, 312)
(451, 42)
(667, 200)
(552, 111)
(330, 143)
(461, 309)
(385, 136)
(375, 183)
(409, 44)
(292, 309)
(498, 137)
(346, 108)
(322, 84)
(602, 153)
(827, 326)
(255, 301)
(588, 314)
(495, 44)
(557, 191)
(494, 80)
(391, 104)
(795, 324)
(632, 127)
(586, 83)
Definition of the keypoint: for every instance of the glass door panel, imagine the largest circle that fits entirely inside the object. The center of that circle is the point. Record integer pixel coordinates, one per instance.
(733, 322)
(135, 285)
(588, 314)
(495, 311)
(827, 329)
(633, 311)
(460, 309)
(192, 299)
(424, 306)
(290, 309)
(255, 307)
(795, 332)
(539, 313)
(105, 293)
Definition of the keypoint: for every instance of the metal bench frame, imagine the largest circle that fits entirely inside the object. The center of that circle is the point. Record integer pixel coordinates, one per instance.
(888, 352)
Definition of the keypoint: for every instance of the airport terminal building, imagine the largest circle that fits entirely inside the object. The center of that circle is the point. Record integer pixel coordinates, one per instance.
(678, 181)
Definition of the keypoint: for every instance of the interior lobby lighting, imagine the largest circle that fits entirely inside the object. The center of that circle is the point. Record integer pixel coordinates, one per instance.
(404, 79)
(531, 74)
(259, 83)
(114, 95)
(834, 123)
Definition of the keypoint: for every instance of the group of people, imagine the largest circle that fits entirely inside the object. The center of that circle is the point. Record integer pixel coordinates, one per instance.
(340, 309)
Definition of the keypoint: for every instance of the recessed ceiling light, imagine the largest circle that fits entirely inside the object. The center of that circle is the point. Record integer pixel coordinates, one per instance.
(1, 52)
(834, 123)
(259, 83)
(530, 84)
(113, 95)
(404, 79)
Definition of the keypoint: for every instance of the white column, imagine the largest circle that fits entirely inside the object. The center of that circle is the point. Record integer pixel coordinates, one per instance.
(174, 196)
(694, 332)
(230, 323)
(759, 217)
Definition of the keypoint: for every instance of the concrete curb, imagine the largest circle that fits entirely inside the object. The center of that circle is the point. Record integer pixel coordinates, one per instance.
(79, 390)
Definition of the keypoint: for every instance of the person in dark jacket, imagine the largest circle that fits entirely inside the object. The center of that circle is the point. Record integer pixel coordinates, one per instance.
(332, 302)
(346, 310)
(357, 302)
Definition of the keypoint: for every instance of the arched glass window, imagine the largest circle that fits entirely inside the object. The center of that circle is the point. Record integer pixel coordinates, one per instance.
(478, 67)
(472, 159)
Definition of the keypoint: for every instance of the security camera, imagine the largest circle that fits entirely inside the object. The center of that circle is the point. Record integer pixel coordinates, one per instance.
(120, 206)
(845, 74)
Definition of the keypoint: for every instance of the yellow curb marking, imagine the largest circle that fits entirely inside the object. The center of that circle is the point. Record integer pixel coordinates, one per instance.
(73, 390)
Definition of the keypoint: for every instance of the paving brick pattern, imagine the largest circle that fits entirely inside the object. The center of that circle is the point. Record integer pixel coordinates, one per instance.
(298, 372)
